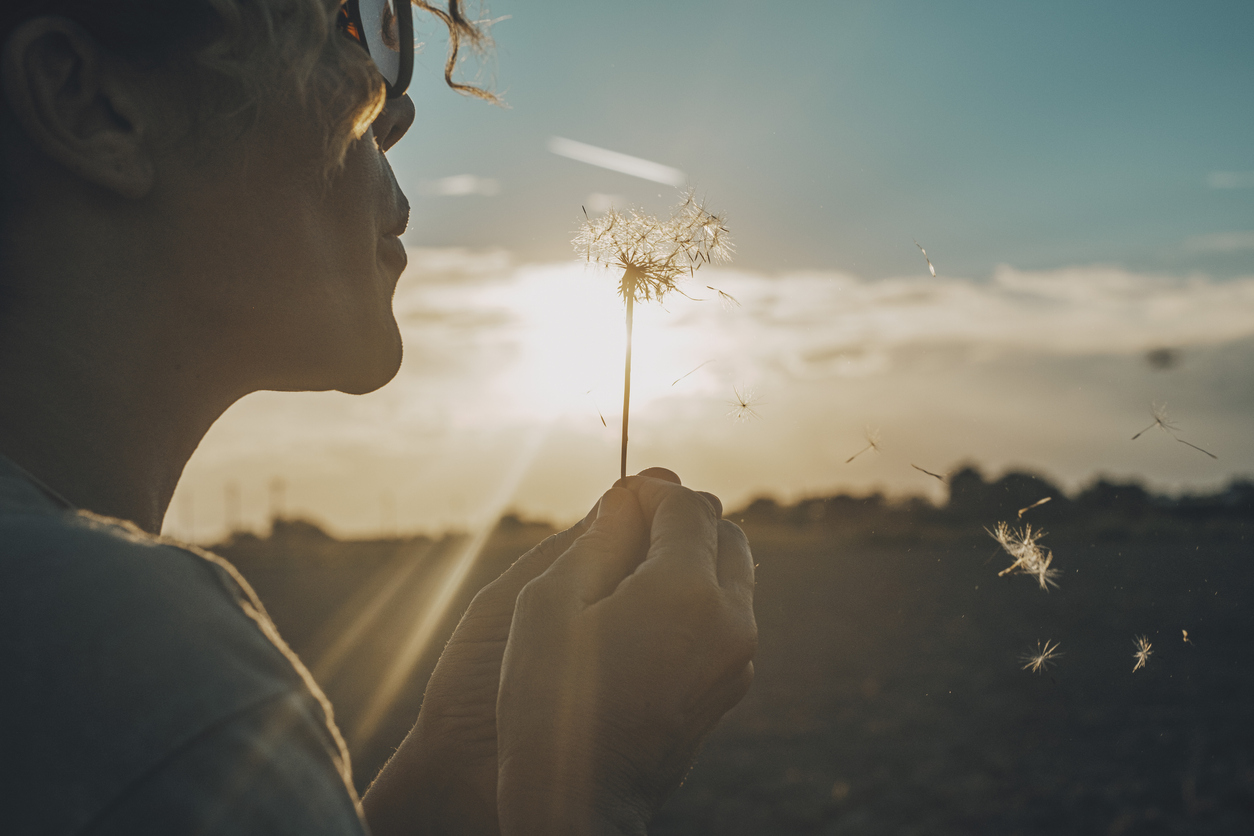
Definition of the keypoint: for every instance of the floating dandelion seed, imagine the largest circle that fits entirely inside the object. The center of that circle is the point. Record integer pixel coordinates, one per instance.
(598, 409)
(1041, 658)
(928, 472)
(727, 299)
(872, 438)
(925, 258)
(1159, 413)
(1199, 449)
(742, 406)
(1036, 504)
(1142, 653)
(1029, 557)
(653, 255)
(681, 377)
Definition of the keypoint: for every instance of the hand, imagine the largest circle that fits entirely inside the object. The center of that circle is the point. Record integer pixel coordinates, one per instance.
(443, 777)
(622, 656)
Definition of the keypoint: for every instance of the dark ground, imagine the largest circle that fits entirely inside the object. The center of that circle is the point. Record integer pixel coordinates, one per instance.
(889, 695)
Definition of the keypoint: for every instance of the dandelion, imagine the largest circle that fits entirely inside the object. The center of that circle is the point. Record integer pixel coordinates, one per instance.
(1041, 658)
(1159, 413)
(1029, 557)
(928, 472)
(742, 406)
(925, 258)
(653, 255)
(872, 438)
(1036, 504)
(1142, 653)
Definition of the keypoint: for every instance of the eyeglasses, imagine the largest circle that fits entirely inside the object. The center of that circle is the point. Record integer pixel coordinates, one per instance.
(385, 29)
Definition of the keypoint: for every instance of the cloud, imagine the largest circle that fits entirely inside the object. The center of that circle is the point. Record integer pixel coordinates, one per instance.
(1221, 242)
(1230, 179)
(461, 185)
(614, 161)
(1037, 368)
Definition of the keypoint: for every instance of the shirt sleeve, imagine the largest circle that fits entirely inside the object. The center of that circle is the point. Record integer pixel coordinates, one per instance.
(266, 770)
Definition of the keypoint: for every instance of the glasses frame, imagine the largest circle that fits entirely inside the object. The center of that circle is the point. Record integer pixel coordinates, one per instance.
(405, 31)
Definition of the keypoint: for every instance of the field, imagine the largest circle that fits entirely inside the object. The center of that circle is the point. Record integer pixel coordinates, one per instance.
(890, 696)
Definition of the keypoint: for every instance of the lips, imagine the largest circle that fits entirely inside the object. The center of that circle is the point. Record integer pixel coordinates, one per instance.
(402, 221)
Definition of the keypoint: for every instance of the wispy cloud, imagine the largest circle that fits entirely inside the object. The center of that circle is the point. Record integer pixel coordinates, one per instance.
(1230, 179)
(461, 185)
(1221, 242)
(615, 161)
(1035, 368)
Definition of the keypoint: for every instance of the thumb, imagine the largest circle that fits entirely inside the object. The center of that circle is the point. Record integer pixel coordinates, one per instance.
(610, 550)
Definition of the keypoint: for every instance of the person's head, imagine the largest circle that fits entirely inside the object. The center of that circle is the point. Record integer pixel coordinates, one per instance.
(212, 170)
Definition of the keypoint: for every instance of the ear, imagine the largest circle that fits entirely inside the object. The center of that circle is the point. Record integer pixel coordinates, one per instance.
(77, 105)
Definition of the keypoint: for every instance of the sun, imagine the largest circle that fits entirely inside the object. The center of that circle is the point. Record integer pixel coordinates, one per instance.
(566, 362)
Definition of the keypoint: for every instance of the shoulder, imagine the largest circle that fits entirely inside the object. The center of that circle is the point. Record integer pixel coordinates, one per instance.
(112, 600)
(121, 648)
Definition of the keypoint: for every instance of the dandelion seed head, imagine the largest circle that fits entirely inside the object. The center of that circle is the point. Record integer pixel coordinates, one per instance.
(742, 406)
(1030, 558)
(1041, 658)
(654, 254)
(1158, 411)
(1142, 652)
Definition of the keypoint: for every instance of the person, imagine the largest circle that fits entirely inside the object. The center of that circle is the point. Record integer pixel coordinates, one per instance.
(195, 204)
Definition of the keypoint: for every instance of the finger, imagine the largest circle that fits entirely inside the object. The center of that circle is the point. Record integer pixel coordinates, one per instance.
(661, 473)
(502, 592)
(735, 561)
(610, 549)
(715, 502)
(682, 532)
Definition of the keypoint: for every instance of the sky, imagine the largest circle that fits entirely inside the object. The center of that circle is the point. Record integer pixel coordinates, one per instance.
(1081, 176)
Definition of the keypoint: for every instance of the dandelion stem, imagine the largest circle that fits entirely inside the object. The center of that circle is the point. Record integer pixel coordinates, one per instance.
(629, 292)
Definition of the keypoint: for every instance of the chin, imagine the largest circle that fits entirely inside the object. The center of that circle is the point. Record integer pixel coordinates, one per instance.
(372, 373)
(360, 367)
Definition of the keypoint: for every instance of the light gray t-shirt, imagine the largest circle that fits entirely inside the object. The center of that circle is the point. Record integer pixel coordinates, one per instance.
(143, 689)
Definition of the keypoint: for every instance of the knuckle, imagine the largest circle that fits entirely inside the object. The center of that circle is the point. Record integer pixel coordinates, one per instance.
(729, 532)
(540, 594)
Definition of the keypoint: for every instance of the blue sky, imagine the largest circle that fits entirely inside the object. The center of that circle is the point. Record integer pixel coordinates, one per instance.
(832, 134)
(1081, 174)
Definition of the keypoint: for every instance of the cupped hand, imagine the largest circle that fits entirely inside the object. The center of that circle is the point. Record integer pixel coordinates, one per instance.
(622, 656)
(443, 777)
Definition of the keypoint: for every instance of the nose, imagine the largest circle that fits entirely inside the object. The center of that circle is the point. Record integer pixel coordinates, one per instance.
(393, 121)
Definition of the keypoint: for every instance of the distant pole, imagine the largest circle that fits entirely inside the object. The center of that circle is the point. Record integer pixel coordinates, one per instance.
(278, 496)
